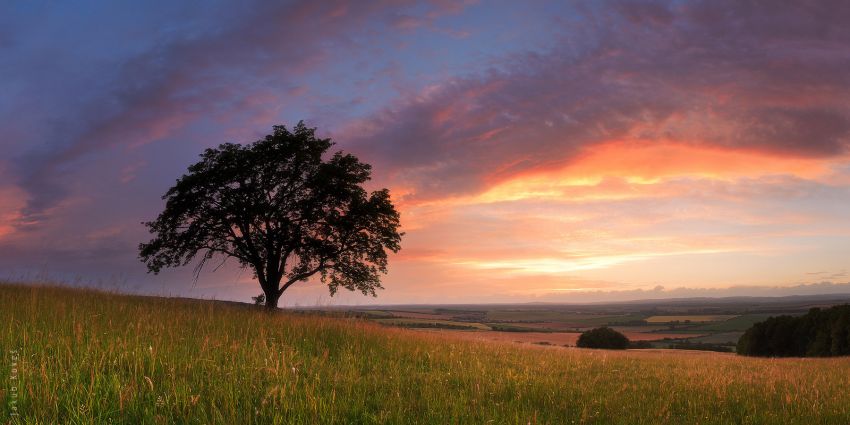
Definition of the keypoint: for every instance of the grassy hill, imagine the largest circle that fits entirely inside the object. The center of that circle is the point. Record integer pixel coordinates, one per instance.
(93, 357)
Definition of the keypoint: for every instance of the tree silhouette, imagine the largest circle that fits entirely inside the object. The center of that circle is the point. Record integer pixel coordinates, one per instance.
(277, 207)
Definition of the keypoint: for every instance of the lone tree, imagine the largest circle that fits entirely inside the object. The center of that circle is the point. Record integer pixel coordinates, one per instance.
(277, 207)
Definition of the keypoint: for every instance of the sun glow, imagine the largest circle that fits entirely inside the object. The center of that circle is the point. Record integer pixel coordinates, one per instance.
(542, 266)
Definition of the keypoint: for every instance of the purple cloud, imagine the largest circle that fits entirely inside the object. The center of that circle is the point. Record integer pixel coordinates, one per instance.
(730, 74)
(199, 70)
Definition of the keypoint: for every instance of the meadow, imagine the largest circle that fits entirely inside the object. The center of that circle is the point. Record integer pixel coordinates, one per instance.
(89, 357)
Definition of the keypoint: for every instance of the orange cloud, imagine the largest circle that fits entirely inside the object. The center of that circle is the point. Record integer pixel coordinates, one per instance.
(653, 161)
(589, 219)
(625, 170)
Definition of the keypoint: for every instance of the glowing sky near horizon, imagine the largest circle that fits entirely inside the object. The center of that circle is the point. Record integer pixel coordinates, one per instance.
(552, 151)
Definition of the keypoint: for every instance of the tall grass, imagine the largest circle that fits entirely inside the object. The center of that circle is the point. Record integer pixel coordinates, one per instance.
(94, 357)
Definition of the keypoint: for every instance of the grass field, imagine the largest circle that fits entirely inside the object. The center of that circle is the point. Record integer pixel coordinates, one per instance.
(90, 357)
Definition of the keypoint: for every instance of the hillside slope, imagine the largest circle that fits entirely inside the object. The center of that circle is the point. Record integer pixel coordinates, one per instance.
(93, 357)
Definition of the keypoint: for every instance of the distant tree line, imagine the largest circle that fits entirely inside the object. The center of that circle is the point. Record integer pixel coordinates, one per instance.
(640, 344)
(509, 328)
(629, 323)
(700, 346)
(818, 333)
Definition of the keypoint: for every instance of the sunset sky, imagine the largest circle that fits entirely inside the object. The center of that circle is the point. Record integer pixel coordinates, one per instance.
(537, 151)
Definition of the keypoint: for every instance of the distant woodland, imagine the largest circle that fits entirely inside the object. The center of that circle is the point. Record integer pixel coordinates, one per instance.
(818, 333)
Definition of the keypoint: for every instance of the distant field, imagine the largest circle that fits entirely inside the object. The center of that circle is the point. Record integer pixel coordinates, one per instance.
(430, 323)
(738, 323)
(548, 338)
(541, 326)
(559, 316)
(419, 315)
(645, 328)
(691, 318)
(504, 322)
(720, 338)
(94, 358)
(552, 338)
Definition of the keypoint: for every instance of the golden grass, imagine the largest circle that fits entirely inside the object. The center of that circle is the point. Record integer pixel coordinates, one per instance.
(92, 357)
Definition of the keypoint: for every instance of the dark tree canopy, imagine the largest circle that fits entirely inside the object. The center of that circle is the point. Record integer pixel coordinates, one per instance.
(819, 333)
(603, 337)
(277, 207)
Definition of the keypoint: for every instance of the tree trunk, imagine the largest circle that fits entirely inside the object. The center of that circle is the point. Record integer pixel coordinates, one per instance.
(272, 297)
(271, 288)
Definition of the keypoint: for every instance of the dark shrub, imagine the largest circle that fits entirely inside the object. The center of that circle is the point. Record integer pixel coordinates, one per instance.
(603, 337)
